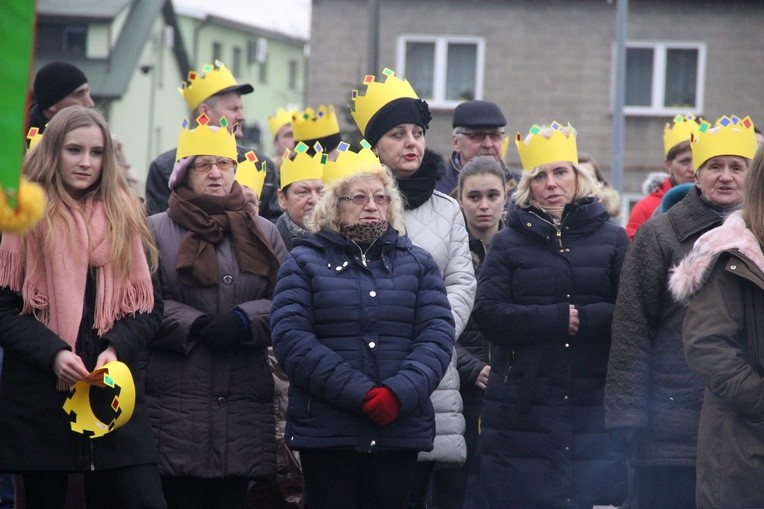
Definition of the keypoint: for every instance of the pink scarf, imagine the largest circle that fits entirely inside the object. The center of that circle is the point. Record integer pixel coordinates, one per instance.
(52, 281)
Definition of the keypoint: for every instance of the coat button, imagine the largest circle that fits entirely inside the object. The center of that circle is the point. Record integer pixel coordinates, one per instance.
(221, 401)
(733, 267)
(227, 279)
(528, 224)
(373, 293)
(338, 269)
(373, 443)
(567, 345)
(372, 344)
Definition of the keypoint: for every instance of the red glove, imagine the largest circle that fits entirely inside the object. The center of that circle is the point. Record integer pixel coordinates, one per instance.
(381, 406)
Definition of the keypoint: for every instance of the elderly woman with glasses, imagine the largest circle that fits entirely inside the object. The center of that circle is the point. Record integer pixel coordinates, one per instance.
(209, 387)
(362, 327)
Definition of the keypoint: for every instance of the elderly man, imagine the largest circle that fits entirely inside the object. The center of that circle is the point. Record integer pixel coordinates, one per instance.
(478, 131)
(215, 93)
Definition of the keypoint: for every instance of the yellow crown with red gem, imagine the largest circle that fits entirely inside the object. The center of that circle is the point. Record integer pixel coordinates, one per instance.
(314, 124)
(205, 83)
(377, 95)
(251, 173)
(206, 140)
(281, 118)
(536, 149)
(730, 136)
(34, 136)
(681, 130)
(298, 165)
(349, 162)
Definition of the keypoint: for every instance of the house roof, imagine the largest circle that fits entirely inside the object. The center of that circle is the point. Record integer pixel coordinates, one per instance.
(98, 9)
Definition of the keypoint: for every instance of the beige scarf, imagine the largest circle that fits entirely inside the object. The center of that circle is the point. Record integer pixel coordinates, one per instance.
(52, 278)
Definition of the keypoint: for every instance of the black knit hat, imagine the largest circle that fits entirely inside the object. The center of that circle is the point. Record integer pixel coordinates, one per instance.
(478, 114)
(404, 110)
(54, 81)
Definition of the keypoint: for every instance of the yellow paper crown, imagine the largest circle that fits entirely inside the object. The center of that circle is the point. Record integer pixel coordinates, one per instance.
(117, 377)
(377, 95)
(302, 166)
(539, 150)
(209, 81)
(730, 136)
(281, 118)
(34, 136)
(206, 141)
(251, 174)
(681, 130)
(312, 125)
(349, 162)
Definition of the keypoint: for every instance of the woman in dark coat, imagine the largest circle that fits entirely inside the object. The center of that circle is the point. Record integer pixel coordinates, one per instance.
(209, 388)
(545, 301)
(362, 327)
(77, 293)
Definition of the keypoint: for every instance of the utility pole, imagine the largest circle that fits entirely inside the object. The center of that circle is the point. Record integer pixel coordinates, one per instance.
(621, 13)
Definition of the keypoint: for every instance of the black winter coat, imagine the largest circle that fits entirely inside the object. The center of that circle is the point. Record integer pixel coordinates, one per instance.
(543, 441)
(35, 434)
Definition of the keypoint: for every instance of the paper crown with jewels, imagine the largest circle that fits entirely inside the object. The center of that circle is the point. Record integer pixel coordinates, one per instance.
(377, 95)
(540, 150)
(279, 119)
(349, 162)
(211, 80)
(34, 136)
(681, 130)
(298, 165)
(251, 173)
(730, 136)
(312, 124)
(206, 139)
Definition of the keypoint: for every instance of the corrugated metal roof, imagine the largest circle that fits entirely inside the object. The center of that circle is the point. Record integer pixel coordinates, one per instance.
(101, 9)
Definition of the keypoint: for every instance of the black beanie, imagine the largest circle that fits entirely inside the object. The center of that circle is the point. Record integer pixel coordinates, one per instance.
(404, 110)
(54, 81)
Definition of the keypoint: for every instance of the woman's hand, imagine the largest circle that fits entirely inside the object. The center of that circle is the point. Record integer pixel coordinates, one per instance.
(482, 378)
(108, 355)
(573, 321)
(69, 367)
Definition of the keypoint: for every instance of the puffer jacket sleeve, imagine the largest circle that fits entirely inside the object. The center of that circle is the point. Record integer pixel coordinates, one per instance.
(643, 279)
(259, 311)
(495, 307)
(309, 364)
(714, 343)
(424, 367)
(595, 320)
(459, 274)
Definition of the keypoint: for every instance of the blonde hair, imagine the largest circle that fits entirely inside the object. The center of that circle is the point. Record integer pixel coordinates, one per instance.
(586, 186)
(124, 211)
(326, 215)
(753, 206)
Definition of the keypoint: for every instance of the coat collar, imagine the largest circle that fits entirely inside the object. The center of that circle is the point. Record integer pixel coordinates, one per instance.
(691, 215)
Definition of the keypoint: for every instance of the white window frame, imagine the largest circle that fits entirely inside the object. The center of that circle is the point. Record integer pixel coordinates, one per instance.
(660, 49)
(441, 55)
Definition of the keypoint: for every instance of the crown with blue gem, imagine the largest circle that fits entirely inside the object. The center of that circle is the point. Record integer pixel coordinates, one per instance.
(349, 162)
(681, 130)
(206, 139)
(298, 165)
(536, 149)
(730, 136)
(313, 124)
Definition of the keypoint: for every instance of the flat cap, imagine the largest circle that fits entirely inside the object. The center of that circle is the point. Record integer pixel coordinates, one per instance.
(478, 114)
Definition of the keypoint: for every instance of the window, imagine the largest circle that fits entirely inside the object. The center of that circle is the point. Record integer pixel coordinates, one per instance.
(62, 40)
(293, 69)
(262, 72)
(217, 51)
(236, 62)
(664, 78)
(444, 70)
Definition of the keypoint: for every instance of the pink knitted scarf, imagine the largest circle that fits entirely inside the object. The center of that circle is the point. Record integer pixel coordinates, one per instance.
(51, 278)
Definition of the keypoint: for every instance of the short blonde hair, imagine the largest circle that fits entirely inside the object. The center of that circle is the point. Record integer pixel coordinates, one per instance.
(326, 215)
(586, 186)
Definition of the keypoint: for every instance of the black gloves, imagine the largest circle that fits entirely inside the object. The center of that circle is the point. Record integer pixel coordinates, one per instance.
(222, 332)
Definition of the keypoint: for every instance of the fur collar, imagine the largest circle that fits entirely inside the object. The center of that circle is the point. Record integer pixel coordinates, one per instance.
(691, 273)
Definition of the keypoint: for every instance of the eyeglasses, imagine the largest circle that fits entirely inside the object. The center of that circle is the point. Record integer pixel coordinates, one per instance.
(205, 166)
(362, 199)
(478, 136)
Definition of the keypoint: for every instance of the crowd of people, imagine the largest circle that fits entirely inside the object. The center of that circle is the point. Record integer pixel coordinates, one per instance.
(373, 325)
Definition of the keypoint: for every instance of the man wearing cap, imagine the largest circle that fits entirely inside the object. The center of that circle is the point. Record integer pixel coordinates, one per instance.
(215, 93)
(56, 86)
(652, 399)
(478, 131)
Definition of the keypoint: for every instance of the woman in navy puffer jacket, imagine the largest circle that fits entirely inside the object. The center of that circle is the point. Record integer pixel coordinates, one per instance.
(545, 299)
(362, 326)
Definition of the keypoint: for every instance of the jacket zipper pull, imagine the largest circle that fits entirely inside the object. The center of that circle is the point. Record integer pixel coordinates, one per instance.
(363, 259)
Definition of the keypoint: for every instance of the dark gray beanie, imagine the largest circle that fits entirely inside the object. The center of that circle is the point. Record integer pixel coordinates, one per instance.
(478, 114)
(54, 81)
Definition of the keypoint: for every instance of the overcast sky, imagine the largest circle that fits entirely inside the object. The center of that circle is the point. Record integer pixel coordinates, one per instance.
(289, 17)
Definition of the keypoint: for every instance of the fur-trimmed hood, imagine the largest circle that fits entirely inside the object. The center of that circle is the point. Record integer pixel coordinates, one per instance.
(654, 181)
(691, 273)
